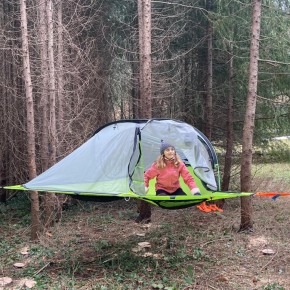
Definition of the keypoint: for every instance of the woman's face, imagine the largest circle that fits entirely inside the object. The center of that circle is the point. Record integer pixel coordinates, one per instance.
(169, 152)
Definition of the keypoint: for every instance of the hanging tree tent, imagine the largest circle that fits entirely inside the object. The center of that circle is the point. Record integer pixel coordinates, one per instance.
(111, 164)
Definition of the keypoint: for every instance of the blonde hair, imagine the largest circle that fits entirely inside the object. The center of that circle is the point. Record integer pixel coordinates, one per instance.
(160, 161)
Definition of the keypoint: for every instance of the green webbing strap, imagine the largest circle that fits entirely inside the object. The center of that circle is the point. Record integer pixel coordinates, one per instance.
(218, 176)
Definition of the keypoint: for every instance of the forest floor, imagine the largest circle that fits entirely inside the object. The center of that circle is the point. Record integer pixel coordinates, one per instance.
(99, 246)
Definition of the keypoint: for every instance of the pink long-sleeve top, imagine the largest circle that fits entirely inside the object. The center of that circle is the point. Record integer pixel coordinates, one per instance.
(168, 178)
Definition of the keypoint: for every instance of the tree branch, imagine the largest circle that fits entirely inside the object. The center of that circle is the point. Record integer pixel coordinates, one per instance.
(273, 62)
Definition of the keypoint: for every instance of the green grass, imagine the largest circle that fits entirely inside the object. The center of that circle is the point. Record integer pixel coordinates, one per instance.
(273, 151)
(273, 286)
(275, 171)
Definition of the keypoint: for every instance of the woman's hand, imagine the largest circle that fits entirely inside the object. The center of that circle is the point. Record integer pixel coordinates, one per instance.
(146, 189)
(195, 191)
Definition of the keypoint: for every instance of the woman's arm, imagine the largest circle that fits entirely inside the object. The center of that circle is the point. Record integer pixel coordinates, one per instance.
(187, 177)
(149, 174)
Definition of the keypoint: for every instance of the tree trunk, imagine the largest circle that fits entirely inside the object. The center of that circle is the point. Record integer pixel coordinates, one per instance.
(208, 106)
(52, 88)
(141, 53)
(135, 96)
(44, 149)
(248, 129)
(3, 196)
(30, 121)
(60, 98)
(230, 130)
(146, 107)
(44, 90)
(60, 78)
(144, 16)
(3, 144)
(50, 198)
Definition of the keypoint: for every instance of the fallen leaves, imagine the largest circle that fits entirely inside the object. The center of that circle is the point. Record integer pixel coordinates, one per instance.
(144, 245)
(222, 278)
(24, 251)
(5, 281)
(19, 265)
(142, 250)
(29, 283)
(140, 234)
(48, 234)
(26, 283)
(268, 252)
(17, 284)
(156, 256)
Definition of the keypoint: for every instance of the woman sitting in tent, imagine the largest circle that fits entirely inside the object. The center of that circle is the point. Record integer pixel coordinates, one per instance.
(167, 169)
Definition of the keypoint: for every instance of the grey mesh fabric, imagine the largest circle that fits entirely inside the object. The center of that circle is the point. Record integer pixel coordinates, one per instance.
(113, 161)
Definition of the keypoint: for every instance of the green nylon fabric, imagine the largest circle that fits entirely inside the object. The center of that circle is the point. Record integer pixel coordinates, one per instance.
(166, 202)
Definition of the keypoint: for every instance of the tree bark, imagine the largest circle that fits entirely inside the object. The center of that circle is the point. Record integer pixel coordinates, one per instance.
(52, 87)
(135, 84)
(141, 53)
(230, 130)
(60, 71)
(208, 106)
(3, 144)
(35, 226)
(44, 90)
(144, 16)
(50, 198)
(146, 61)
(44, 102)
(249, 123)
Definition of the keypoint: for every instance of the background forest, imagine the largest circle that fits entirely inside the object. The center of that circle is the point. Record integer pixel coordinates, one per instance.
(69, 67)
(84, 68)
